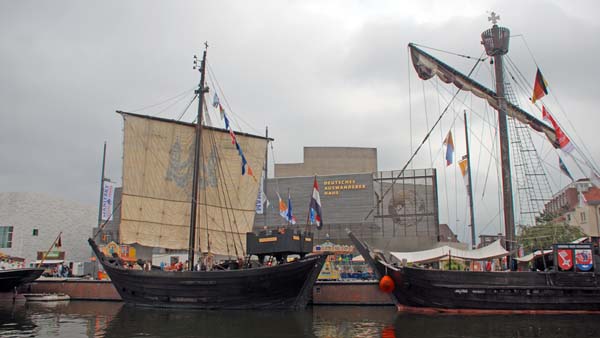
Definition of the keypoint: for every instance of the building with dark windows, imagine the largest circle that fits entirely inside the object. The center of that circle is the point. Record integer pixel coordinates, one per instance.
(388, 210)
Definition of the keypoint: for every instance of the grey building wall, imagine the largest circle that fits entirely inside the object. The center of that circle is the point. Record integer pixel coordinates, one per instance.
(26, 211)
(345, 199)
(406, 219)
(323, 161)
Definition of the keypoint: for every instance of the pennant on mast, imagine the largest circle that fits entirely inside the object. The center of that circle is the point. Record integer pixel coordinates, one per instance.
(449, 149)
(428, 66)
(540, 87)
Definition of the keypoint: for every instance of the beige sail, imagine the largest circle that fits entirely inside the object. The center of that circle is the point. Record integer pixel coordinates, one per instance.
(428, 66)
(157, 184)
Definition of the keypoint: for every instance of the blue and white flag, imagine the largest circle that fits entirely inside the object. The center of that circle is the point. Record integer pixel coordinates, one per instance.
(289, 214)
(316, 214)
(216, 103)
(564, 169)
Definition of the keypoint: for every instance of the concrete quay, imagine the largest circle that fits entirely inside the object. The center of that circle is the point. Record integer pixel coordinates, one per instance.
(324, 292)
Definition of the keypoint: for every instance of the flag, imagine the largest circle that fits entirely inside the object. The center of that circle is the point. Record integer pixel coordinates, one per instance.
(582, 200)
(289, 215)
(282, 207)
(216, 103)
(260, 199)
(464, 165)
(564, 143)
(449, 148)
(221, 111)
(564, 169)
(316, 215)
(59, 242)
(540, 87)
(108, 193)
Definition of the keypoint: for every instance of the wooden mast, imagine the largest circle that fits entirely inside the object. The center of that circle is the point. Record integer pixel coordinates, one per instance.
(470, 184)
(495, 41)
(193, 212)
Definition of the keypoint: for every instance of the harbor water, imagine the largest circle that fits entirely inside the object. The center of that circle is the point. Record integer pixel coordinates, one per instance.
(113, 319)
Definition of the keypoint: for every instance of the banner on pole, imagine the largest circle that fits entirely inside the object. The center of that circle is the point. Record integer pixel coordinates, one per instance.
(108, 194)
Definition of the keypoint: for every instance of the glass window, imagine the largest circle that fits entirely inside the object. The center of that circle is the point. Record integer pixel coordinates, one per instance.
(35, 232)
(6, 236)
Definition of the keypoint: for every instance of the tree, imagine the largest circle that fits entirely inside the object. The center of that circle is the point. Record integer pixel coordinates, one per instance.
(548, 231)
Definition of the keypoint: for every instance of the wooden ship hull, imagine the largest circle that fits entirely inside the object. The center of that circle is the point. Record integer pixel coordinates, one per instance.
(12, 278)
(282, 286)
(510, 290)
(506, 291)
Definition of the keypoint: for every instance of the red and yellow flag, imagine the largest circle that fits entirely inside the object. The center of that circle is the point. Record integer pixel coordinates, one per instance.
(540, 87)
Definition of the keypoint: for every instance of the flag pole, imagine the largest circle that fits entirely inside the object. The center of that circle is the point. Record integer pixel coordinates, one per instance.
(309, 200)
(48, 251)
(470, 183)
(288, 213)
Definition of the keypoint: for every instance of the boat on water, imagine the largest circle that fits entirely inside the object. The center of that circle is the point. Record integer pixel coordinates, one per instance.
(568, 285)
(13, 278)
(189, 186)
(46, 297)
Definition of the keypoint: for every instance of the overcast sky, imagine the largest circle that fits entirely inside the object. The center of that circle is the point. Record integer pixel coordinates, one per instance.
(317, 73)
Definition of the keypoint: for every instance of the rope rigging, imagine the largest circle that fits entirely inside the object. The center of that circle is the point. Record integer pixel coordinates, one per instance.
(427, 135)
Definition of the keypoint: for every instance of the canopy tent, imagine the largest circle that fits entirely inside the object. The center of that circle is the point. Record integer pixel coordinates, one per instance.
(50, 261)
(538, 253)
(493, 250)
(532, 256)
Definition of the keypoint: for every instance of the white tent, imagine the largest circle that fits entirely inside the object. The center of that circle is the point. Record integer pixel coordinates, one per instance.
(538, 253)
(493, 250)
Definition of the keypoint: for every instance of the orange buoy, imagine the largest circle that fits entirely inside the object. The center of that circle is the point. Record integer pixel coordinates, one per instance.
(386, 284)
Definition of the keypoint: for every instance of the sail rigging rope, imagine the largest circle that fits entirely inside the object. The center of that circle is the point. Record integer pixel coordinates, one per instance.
(213, 79)
(165, 101)
(451, 53)
(187, 107)
(427, 135)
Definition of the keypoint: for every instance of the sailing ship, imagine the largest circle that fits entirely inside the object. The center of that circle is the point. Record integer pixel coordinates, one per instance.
(182, 189)
(558, 289)
(13, 274)
(13, 278)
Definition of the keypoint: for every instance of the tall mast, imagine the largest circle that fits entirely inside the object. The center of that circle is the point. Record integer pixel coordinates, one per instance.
(470, 184)
(200, 92)
(264, 187)
(495, 41)
(101, 188)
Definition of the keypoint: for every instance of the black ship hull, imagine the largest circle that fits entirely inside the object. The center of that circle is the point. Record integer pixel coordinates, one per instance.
(283, 286)
(507, 291)
(12, 278)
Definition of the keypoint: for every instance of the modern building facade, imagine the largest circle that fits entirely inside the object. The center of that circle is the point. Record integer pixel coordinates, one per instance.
(388, 210)
(30, 222)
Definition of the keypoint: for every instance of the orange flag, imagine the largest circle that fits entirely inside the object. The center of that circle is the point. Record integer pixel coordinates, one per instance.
(540, 87)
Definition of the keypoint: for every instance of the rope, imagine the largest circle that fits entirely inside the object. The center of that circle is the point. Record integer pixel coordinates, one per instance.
(380, 200)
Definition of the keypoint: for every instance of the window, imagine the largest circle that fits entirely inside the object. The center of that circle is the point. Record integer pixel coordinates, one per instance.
(568, 217)
(6, 236)
(582, 214)
(35, 232)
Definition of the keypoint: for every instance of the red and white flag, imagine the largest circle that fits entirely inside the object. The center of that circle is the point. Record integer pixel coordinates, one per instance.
(563, 141)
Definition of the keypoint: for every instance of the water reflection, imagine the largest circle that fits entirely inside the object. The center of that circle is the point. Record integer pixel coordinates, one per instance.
(114, 320)
(148, 322)
(353, 321)
(450, 326)
(14, 321)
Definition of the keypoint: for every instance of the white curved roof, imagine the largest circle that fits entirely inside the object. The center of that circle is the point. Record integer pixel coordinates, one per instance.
(493, 250)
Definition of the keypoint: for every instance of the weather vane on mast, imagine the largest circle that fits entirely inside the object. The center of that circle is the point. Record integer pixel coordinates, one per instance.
(196, 66)
(493, 18)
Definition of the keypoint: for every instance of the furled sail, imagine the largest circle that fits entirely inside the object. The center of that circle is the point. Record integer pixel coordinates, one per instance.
(428, 66)
(157, 185)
